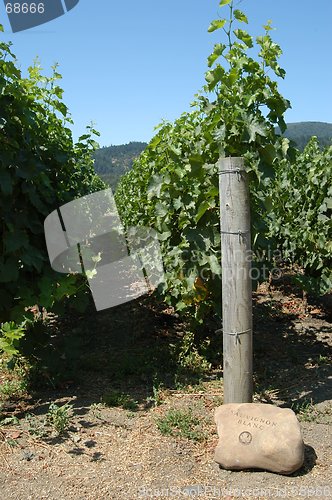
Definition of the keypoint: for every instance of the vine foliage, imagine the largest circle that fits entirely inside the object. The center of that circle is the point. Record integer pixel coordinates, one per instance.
(174, 186)
(40, 169)
(301, 215)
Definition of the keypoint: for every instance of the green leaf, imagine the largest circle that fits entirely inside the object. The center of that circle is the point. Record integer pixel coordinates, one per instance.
(9, 270)
(213, 192)
(268, 26)
(58, 91)
(233, 76)
(7, 348)
(214, 76)
(282, 124)
(62, 108)
(196, 163)
(180, 306)
(268, 152)
(84, 137)
(155, 186)
(6, 182)
(96, 258)
(217, 52)
(220, 133)
(164, 236)
(33, 259)
(161, 210)
(224, 2)
(154, 142)
(201, 210)
(240, 16)
(177, 203)
(216, 25)
(91, 274)
(26, 172)
(244, 37)
(284, 145)
(15, 241)
(215, 265)
(254, 128)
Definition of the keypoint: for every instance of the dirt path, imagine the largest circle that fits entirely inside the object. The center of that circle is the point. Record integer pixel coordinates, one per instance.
(123, 397)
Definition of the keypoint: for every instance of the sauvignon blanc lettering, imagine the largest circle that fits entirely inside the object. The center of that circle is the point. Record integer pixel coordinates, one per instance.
(253, 422)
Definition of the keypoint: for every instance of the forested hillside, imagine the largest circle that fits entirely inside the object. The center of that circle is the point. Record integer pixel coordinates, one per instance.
(114, 161)
(301, 132)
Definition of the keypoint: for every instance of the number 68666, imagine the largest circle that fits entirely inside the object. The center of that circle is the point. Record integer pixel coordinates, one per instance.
(25, 8)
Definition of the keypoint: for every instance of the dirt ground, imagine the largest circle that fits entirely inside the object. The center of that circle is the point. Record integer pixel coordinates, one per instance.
(118, 375)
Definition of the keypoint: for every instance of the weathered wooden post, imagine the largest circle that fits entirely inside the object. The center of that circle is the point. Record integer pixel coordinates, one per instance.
(236, 280)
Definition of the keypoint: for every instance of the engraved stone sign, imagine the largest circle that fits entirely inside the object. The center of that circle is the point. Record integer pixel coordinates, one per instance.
(258, 436)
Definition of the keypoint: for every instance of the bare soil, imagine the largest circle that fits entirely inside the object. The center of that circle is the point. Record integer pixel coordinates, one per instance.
(124, 357)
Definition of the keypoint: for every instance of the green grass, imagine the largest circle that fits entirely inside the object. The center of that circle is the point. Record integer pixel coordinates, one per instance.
(181, 423)
(59, 417)
(115, 398)
(14, 380)
(306, 411)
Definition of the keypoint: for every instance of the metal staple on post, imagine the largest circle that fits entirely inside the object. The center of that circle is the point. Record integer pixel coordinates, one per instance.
(237, 334)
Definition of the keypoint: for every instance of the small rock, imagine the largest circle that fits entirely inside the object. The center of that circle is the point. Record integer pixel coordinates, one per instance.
(28, 455)
(258, 436)
(14, 434)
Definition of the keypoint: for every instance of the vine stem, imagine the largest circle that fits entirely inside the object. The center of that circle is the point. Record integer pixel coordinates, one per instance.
(231, 20)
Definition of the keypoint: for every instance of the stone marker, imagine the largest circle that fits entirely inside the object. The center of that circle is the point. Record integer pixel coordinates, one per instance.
(258, 436)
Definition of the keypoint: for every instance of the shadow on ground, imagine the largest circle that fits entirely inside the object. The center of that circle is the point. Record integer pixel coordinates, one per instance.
(121, 356)
(292, 357)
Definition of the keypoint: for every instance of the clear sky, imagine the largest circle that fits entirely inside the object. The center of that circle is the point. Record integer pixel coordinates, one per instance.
(129, 64)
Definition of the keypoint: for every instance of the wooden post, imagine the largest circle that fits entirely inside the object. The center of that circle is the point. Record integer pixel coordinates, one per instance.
(236, 280)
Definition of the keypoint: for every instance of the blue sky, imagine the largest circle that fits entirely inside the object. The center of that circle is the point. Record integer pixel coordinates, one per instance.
(129, 64)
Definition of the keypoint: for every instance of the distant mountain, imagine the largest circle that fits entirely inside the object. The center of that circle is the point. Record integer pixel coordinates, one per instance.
(114, 161)
(301, 132)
